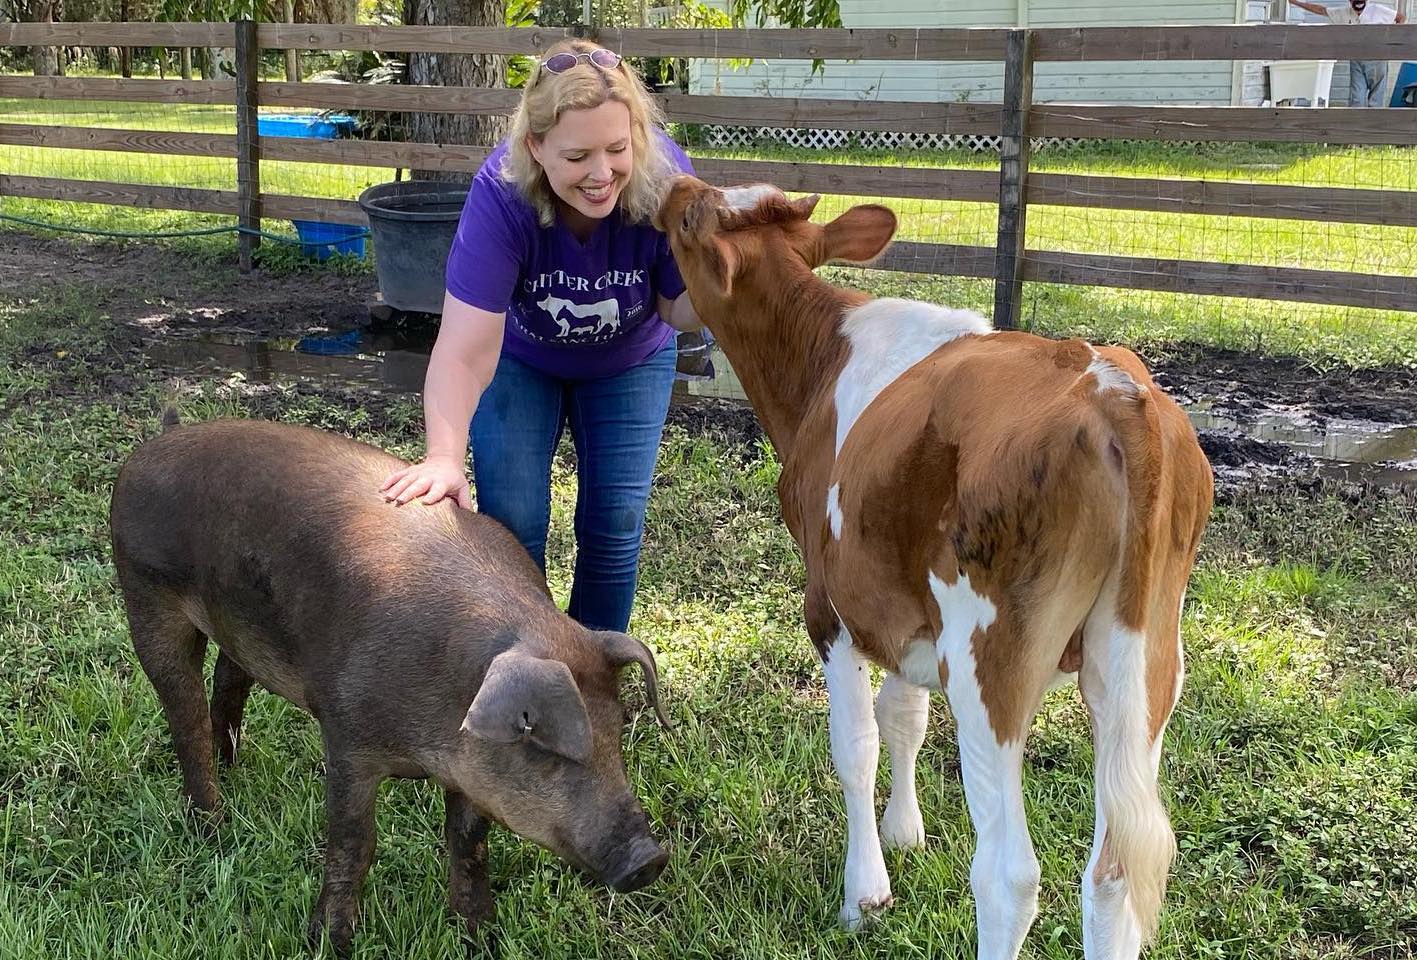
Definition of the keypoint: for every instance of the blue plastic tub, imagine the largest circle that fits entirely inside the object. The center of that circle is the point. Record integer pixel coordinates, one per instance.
(1404, 85)
(317, 239)
(311, 126)
(322, 240)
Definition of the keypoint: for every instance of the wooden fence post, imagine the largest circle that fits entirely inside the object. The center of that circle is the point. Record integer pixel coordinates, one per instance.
(248, 141)
(1013, 179)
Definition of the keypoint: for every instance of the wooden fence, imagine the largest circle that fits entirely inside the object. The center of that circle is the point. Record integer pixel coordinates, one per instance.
(1016, 120)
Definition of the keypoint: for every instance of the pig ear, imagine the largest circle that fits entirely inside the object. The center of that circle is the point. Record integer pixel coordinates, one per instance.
(858, 235)
(528, 698)
(621, 650)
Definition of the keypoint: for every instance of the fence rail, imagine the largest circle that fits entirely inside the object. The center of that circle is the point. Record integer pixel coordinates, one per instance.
(1062, 44)
(1019, 119)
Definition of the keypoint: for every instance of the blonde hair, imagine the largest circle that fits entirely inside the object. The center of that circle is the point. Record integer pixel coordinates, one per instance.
(584, 87)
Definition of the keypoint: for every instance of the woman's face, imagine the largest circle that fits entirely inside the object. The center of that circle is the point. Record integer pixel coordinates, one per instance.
(588, 157)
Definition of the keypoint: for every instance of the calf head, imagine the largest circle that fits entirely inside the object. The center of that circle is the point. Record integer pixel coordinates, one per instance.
(722, 238)
(542, 756)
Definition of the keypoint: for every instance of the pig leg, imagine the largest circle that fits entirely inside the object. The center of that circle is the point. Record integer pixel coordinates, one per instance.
(349, 810)
(230, 687)
(469, 890)
(170, 650)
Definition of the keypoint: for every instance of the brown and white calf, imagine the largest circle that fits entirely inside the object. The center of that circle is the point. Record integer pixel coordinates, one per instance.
(982, 513)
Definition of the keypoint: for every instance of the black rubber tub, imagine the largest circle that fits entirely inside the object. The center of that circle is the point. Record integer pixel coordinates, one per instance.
(412, 223)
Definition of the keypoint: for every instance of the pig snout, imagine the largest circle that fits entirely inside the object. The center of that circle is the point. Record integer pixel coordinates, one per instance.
(641, 866)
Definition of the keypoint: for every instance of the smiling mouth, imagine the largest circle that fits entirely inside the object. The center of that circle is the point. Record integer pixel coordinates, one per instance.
(598, 195)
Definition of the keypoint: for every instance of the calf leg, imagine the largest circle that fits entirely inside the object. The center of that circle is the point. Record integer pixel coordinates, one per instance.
(230, 687)
(902, 710)
(1126, 874)
(1004, 873)
(469, 889)
(856, 749)
(349, 809)
(170, 650)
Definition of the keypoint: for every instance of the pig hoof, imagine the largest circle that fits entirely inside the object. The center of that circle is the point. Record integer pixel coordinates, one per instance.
(480, 940)
(334, 923)
(207, 817)
(341, 937)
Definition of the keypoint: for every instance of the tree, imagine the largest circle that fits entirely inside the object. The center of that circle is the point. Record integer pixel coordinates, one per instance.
(490, 72)
(46, 59)
(455, 70)
(786, 13)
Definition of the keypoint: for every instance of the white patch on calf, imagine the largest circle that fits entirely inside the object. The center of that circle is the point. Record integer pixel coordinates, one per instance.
(834, 509)
(1112, 378)
(856, 752)
(889, 336)
(1004, 872)
(962, 611)
(747, 198)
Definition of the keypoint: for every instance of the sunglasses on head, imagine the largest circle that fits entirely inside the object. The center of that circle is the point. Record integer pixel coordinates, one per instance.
(600, 57)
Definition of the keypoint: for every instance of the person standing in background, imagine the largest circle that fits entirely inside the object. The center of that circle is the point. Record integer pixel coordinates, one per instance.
(1367, 79)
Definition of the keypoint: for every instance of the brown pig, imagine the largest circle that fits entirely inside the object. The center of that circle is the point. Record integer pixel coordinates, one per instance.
(422, 638)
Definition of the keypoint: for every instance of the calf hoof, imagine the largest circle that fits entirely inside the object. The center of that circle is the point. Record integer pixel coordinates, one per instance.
(333, 920)
(863, 913)
(902, 828)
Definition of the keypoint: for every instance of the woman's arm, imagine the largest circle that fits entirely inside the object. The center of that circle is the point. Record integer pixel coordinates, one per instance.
(679, 313)
(462, 365)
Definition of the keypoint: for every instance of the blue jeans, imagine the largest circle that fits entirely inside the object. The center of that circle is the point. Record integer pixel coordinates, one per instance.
(616, 423)
(1367, 82)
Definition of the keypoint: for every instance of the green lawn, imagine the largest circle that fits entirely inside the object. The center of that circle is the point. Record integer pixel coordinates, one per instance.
(1290, 766)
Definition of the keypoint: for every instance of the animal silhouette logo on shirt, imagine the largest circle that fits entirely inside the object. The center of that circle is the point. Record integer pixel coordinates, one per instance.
(604, 313)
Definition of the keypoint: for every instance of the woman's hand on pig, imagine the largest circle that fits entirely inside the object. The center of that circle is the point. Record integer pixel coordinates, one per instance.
(432, 480)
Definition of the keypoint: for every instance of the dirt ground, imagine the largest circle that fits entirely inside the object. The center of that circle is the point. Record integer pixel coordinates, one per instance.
(157, 291)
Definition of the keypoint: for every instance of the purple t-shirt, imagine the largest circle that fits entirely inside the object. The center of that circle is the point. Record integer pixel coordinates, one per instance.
(574, 309)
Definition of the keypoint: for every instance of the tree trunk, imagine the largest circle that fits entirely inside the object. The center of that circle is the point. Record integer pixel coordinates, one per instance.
(46, 59)
(292, 57)
(125, 54)
(186, 63)
(455, 70)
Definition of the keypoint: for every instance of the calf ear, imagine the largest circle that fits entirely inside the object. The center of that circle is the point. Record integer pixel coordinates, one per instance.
(859, 234)
(805, 205)
(723, 262)
(621, 650)
(529, 698)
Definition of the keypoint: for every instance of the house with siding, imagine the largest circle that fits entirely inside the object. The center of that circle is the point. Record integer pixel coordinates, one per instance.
(1193, 82)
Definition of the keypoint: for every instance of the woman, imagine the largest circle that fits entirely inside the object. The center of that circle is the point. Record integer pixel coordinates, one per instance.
(559, 307)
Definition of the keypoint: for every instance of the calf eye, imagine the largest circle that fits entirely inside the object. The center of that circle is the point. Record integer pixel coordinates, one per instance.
(685, 225)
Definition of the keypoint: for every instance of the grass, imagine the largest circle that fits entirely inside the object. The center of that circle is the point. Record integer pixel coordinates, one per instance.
(1289, 770)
